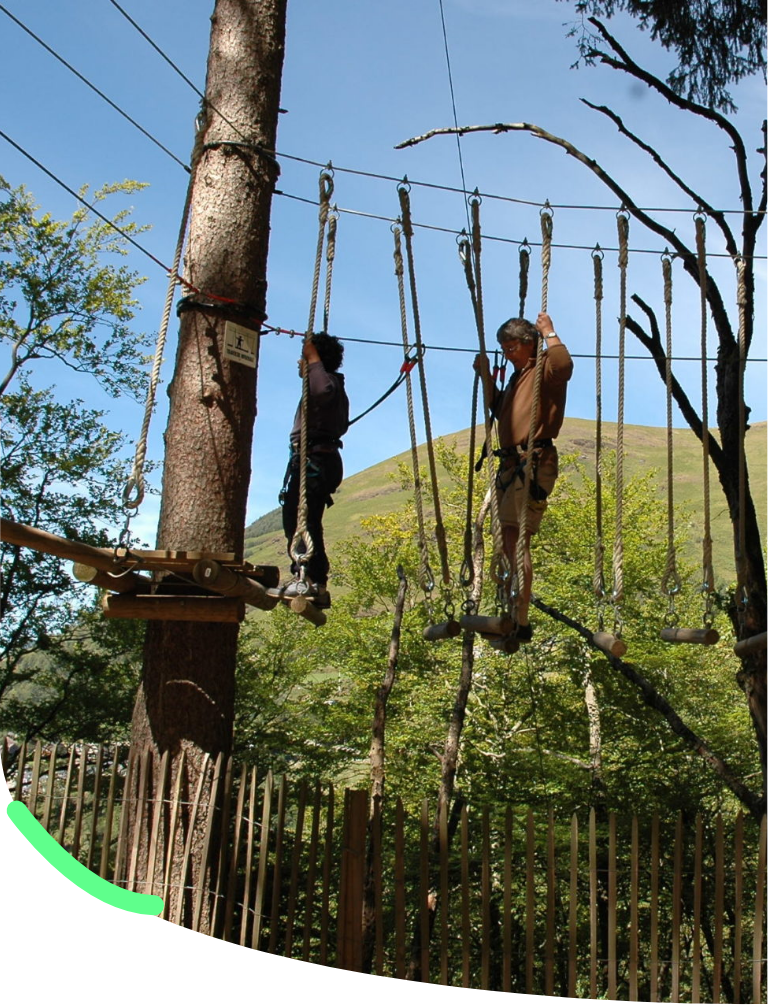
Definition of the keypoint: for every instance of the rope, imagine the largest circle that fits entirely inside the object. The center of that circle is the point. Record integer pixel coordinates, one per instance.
(598, 579)
(407, 226)
(467, 576)
(741, 558)
(525, 261)
(472, 254)
(670, 582)
(708, 575)
(302, 535)
(330, 255)
(425, 572)
(133, 492)
(622, 221)
(546, 260)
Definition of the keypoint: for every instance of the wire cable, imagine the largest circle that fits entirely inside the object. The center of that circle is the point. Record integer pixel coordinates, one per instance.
(93, 87)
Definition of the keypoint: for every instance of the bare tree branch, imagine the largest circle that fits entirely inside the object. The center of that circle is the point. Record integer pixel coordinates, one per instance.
(657, 701)
(703, 204)
(628, 65)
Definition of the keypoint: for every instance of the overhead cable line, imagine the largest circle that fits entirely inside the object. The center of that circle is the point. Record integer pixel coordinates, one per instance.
(93, 87)
(455, 116)
(420, 184)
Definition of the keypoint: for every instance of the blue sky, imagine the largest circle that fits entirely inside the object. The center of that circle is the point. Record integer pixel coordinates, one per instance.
(360, 77)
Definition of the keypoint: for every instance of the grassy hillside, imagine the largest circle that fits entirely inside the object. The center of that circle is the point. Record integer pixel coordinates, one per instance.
(375, 490)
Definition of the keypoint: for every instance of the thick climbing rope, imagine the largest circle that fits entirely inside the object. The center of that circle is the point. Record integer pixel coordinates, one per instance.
(330, 256)
(426, 575)
(133, 492)
(407, 227)
(670, 582)
(472, 257)
(598, 578)
(546, 260)
(708, 575)
(302, 535)
(467, 575)
(617, 592)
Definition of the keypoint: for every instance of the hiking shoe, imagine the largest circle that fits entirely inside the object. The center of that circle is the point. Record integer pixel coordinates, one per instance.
(298, 588)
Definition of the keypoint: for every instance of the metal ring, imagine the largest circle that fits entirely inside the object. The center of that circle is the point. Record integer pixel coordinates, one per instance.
(598, 253)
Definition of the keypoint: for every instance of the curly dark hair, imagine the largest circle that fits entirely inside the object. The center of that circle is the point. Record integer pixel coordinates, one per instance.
(329, 349)
(517, 328)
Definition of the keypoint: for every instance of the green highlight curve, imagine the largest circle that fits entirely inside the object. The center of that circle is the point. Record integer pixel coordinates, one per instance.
(76, 872)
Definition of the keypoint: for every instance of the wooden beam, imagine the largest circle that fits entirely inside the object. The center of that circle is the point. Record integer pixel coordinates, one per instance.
(487, 626)
(751, 645)
(122, 582)
(445, 630)
(610, 643)
(697, 636)
(211, 575)
(163, 607)
(51, 544)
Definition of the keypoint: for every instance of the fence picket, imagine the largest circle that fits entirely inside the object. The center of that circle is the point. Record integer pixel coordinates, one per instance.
(573, 907)
(248, 858)
(530, 901)
(191, 832)
(141, 802)
(465, 928)
(293, 892)
(399, 890)
(506, 978)
(738, 868)
(205, 853)
(443, 845)
(378, 886)
(327, 860)
(717, 962)
(309, 896)
(634, 919)
(612, 962)
(677, 904)
(22, 762)
(258, 905)
(592, 904)
(757, 938)
(221, 868)
(157, 816)
(48, 804)
(654, 909)
(96, 799)
(549, 945)
(697, 894)
(106, 840)
(172, 828)
(278, 870)
(35, 783)
(122, 834)
(485, 902)
(424, 891)
(229, 906)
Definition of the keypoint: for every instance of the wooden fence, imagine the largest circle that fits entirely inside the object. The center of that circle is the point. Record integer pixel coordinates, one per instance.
(502, 899)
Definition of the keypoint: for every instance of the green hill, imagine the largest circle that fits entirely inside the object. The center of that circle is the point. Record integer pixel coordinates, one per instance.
(375, 491)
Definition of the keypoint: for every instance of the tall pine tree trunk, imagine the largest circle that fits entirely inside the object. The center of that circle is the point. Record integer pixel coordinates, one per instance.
(186, 698)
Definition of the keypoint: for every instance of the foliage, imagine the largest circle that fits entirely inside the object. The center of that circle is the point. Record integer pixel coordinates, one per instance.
(62, 675)
(526, 736)
(717, 42)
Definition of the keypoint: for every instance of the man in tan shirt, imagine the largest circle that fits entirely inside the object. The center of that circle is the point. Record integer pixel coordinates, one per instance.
(518, 339)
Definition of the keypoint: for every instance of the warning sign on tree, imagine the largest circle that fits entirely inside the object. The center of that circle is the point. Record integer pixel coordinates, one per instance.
(240, 344)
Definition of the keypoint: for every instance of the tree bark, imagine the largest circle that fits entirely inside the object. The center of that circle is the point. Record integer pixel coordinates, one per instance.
(186, 698)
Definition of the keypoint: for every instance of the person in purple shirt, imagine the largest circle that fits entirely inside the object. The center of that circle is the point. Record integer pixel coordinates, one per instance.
(327, 422)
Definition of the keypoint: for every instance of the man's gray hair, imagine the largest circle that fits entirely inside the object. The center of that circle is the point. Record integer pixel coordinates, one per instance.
(517, 328)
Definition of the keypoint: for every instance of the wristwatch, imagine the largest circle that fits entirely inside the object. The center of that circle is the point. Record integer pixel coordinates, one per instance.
(551, 335)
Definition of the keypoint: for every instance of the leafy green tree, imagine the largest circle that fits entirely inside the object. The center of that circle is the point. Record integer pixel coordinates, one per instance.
(63, 299)
(717, 42)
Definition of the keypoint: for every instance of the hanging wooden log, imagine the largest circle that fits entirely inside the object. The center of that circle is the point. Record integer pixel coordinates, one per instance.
(163, 607)
(485, 625)
(210, 574)
(305, 607)
(503, 643)
(25, 536)
(445, 630)
(751, 645)
(127, 582)
(610, 644)
(697, 636)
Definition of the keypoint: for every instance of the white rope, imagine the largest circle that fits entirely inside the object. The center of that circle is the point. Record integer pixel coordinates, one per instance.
(708, 575)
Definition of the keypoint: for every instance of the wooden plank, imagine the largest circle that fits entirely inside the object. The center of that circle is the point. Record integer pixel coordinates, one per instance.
(106, 840)
(248, 858)
(191, 832)
(634, 914)
(697, 895)
(757, 930)
(261, 877)
(173, 825)
(573, 908)
(325, 914)
(165, 607)
(65, 797)
(349, 949)
(157, 816)
(424, 833)
(309, 897)
(277, 884)
(654, 910)
(141, 808)
(80, 801)
(49, 789)
(549, 945)
(485, 903)
(378, 886)
(530, 902)
(221, 868)
(506, 931)
(35, 783)
(205, 853)
(593, 933)
(612, 899)
(399, 891)
(465, 888)
(738, 884)
(21, 765)
(717, 949)
(96, 800)
(293, 891)
(677, 904)
(444, 888)
(234, 861)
